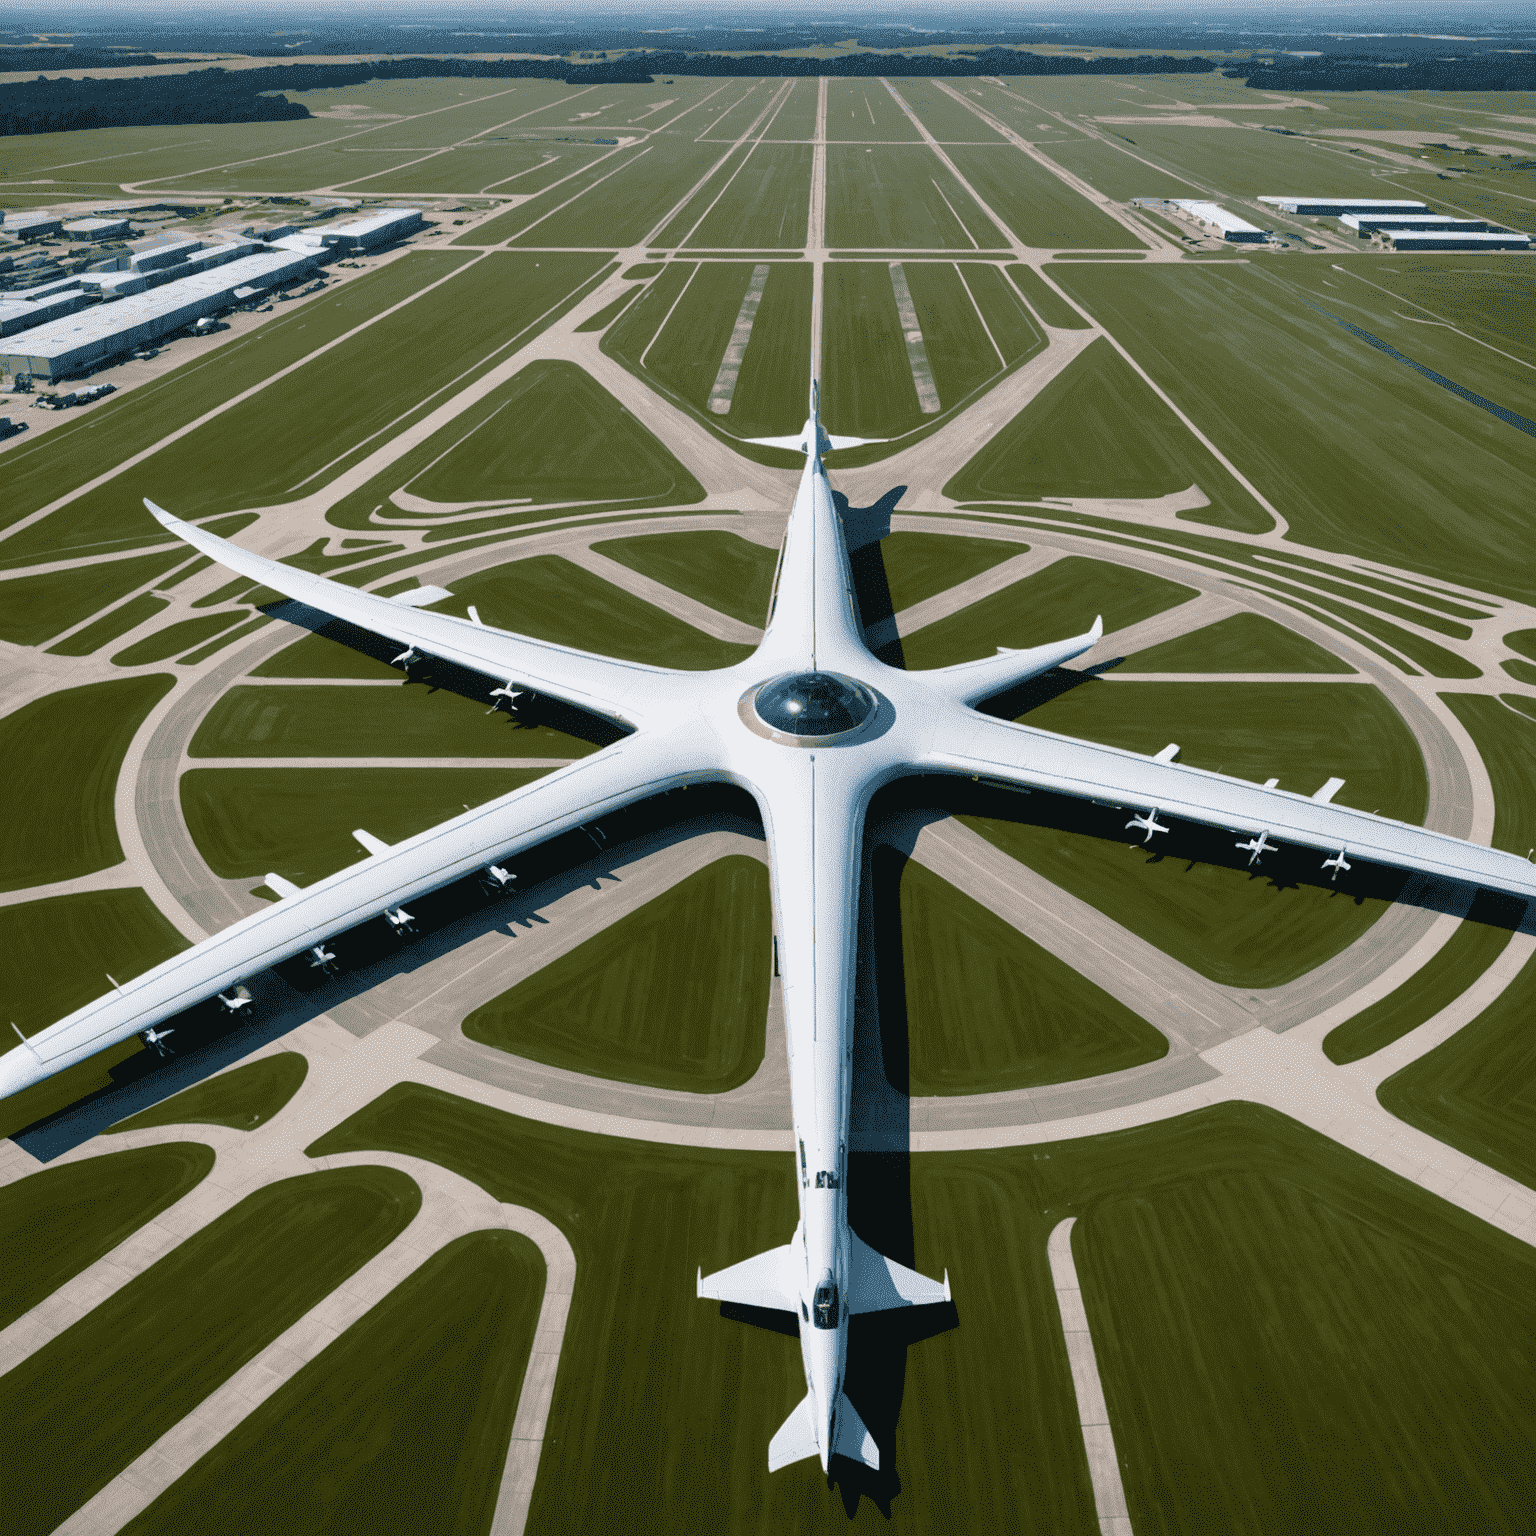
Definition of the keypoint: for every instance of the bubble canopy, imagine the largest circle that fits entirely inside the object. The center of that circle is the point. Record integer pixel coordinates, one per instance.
(819, 704)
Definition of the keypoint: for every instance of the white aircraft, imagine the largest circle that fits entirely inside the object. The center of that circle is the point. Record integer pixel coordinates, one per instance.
(1148, 824)
(1337, 863)
(1257, 847)
(812, 724)
(236, 998)
(497, 880)
(509, 694)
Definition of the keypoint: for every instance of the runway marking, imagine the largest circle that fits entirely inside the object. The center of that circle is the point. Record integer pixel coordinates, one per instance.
(917, 354)
(736, 349)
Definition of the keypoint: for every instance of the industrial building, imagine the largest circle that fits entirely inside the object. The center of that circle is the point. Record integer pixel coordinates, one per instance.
(1456, 240)
(1369, 223)
(378, 228)
(1217, 217)
(24, 314)
(31, 226)
(1334, 207)
(80, 340)
(96, 229)
(164, 255)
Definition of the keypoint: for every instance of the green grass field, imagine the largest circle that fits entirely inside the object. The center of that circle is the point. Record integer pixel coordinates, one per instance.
(866, 382)
(960, 350)
(338, 721)
(323, 655)
(1116, 173)
(988, 1009)
(944, 117)
(770, 398)
(921, 565)
(402, 1423)
(550, 434)
(721, 570)
(1045, 301)
(864, 109)
(1006, 317)
(1097, 430)
(1396, 468)
(174, 639)
(1039, 208)
(552, 599)
(38, 607)
(1197, 901)
(61, 756)
(1061, 600)
(978, 1426)
(1246, 642)
(674, 995)
(902, 197)
(58, 1221)
(1475, 945)
(242, 1098)
(686, 354)
(102, 1392)
(299, 822)
(765, 207)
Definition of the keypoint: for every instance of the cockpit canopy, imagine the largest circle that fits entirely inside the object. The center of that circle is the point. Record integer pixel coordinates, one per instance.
(824, 1304)
(815, 704)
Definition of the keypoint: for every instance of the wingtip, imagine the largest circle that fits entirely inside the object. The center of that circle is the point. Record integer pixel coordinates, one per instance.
(160, 515)
(1098, 628)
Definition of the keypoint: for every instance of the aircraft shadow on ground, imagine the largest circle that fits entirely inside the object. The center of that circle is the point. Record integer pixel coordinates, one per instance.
(293, 993)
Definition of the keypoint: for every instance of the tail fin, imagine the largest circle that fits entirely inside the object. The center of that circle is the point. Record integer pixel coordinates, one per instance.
(852, 1439)
(796, 1437)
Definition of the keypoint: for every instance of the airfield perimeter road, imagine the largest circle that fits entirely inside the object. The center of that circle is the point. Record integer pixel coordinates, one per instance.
(401, 1021)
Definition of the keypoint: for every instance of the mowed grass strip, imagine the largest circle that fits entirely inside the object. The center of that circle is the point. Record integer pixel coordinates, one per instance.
(1245, 642)
(721, 570)
(864, 109)
(686, 356)
(628, 340)
(299, 822)
(35, 608)
(867, 388)
(916, 566)
(1397, 469)
(671, 1432)
(98, 1395)
(946, 119)
(960, 351)
(1059, 601)
(624, 209)
(1196, 899)
(115, 622)
(1233, 1257)
(551, 433)
(901, 197)
(57, 1222)
(1097, 430)
(242, 1098)
(116, 429)
(184, 635)
(403, 1423)
(1476, 944)
(673, 996)
(1040, 208)
(987, 1009)
(1116, 172)
(335, 409)
(552, 599)
(774, 383)
(766, 207)
(1049, 305)
(414, 720)
(1006, 318)
(60, 756)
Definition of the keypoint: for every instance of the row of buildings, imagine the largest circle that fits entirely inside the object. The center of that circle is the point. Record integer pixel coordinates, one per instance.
(1407, 226)
(79, 322)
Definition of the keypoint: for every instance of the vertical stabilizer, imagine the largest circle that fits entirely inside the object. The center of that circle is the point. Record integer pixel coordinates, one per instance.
(796, 1437)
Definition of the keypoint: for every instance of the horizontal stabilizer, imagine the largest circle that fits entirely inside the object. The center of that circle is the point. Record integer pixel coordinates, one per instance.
(370, 842)
(852, 1439)
(765, 1280)
(281, 886)
(796, 1437)
(796, 443)
(879, 1284)
(419, 597)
